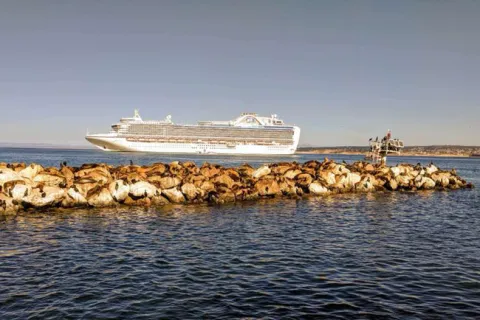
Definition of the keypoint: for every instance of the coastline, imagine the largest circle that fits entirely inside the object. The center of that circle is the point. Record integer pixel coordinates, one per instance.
(405, 154)
(457, 151)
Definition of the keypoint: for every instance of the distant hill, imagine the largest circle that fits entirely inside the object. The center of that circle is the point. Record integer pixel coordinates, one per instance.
(437, 150)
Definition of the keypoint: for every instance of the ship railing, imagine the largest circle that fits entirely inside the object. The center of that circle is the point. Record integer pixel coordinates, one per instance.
(173, 140)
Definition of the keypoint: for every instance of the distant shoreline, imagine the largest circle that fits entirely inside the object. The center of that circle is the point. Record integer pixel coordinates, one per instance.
(413, 151)
(391, 155)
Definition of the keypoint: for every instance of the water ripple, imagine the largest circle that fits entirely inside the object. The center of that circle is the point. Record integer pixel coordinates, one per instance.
(378, 256)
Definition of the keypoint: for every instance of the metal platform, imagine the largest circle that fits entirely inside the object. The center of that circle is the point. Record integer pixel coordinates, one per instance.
(380, 149)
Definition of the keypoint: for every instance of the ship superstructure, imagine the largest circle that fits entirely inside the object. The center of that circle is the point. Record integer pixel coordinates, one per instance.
(247, 134)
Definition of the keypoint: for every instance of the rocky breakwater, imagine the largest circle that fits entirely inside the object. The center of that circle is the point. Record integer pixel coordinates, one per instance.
(24, 187)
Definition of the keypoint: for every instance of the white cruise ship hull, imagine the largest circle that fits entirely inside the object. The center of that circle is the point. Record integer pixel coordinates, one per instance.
(114, 143)
(247, 134)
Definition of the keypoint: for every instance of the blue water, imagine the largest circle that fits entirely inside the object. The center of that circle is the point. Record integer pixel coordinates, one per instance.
(365, 256)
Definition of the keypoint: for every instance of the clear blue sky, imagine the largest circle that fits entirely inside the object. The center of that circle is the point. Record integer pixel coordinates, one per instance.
(344, 71)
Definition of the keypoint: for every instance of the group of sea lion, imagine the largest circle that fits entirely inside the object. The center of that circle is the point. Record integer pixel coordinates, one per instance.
(100, 185)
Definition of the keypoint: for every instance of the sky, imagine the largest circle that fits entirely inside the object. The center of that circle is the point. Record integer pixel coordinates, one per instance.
(343, 71)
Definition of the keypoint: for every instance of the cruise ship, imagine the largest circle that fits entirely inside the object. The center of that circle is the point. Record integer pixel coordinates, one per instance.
(247, 134)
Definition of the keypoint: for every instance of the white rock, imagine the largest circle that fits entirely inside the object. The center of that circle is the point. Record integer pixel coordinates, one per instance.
(328, 176)
(365, 185)
(403, 181)
(291, 174)
(76, 197)
(49, 197)
(119, 190)
(19, 191)
(317, 189)
(174, 195)
(31, 171)
(352, 179)
(189, 190)
(396, 171)
(6, 203)
(7, 175)
(101, 198)
(142, 189)
(51, 180)
(260, 172)
(340, 169)
(431, 169)
(428, 183)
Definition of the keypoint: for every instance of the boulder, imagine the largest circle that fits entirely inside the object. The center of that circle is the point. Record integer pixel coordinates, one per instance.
(159, 200)
(428, 183)
(225, 196)
(312, 164)
(119, 190)
(74, 197)
(100, 197)
(391, 184)
(190, 191)
(327, 176)
(431, 169)
(169, 182)
(209, 171)
(47, 196)
(260, 172)
(338, 169)
(7, 203)
(50, 179)
(395, 171)
(84, 185)
(7, 175)
(19, 191)
(100, 173)
(31, 171)
(304, 180)
(174, 195)
(207, 186)
(287, 187)
(267, 188)
(317, 188)
(245, 170)
(157, 169)
(365, 185)
(351, 179)
(224, 180)
(67, 172)
(291, 174)
(442, 179)
(403, 181)
(281, 169)
(142, 189)
(139, 202)
(232, 173)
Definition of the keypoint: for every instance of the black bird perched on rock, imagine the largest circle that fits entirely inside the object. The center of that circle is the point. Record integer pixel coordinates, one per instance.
(131, 162)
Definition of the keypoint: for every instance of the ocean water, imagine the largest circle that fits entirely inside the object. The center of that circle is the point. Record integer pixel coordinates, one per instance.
(359, 256)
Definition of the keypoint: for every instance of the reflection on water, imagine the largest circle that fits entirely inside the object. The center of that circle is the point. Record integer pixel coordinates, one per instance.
(348, 256)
